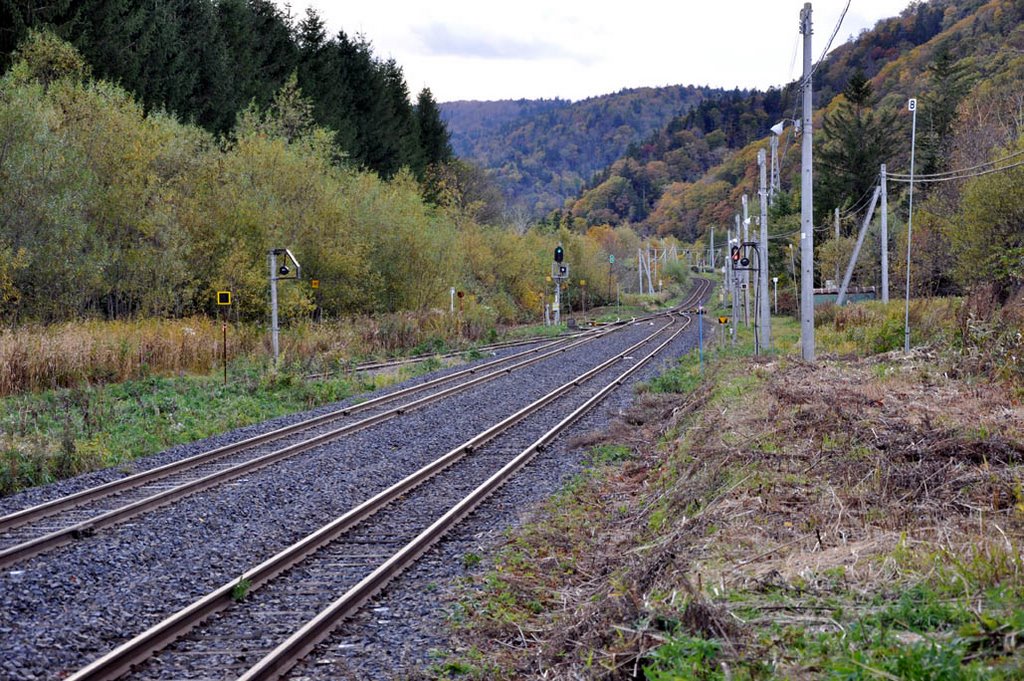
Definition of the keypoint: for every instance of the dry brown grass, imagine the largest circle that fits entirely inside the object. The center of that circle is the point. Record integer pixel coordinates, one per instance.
(35, 357)
(872, 473)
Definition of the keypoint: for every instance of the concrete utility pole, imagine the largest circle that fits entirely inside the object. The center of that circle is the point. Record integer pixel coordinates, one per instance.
(746, 272)
(841, 298)
(837, 242)
(735, 285)
(274, 331)
(885, 239)
(278, 273)
(764, 318)
(712, 248)
(774, 186)
(807, 199)
(725, 270)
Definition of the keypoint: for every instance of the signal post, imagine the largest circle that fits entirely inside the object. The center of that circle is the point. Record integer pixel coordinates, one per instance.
(559, 273)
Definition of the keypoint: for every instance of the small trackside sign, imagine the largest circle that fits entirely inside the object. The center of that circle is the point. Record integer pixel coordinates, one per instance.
(223, 297)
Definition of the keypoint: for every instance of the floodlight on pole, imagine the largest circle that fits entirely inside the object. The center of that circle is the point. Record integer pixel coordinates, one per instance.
(278, 273)
(775, 181)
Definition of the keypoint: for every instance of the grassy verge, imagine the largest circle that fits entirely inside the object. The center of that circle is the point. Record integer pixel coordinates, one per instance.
(59, 433)
(856, 519)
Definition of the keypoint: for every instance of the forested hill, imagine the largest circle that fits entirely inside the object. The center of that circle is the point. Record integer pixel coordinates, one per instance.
(542, 152)
(692, 173)
(205, 61)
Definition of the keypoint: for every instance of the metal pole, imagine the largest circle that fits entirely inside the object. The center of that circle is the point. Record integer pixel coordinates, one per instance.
(558, 302)
(764, 314)
(712, 254)
(700, 335)
(885, 239)
(807, 200)
(224, 330)
(775, 286)
(273, 307)
(910, 224)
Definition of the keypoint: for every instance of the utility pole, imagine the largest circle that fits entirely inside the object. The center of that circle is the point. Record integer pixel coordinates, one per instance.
(735, 286)
(728, 243)
(774, 186)
(746, 272)
(712, 248)
(885, 239)
(764, 319)
(274, 331)
(837, 242)
(640, 269)
(841, 298)
(807, 199)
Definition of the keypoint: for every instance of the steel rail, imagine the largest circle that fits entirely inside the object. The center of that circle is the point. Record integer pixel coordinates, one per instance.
(403, 361)
(86, 528)
(45, 509)
(48, 508)
(124, 657)
(298, 645)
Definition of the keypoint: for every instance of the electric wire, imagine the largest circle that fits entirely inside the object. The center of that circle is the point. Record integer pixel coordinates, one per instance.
(828, 47)
(805, 80)
(958, 171)
(862, 202)
(932, 180)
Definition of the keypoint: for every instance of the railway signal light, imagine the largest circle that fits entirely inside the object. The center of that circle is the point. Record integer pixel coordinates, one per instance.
(735, 253)
(563, 271)
(559, 254)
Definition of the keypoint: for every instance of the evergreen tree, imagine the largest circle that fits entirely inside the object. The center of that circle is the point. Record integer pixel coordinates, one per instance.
(323, 77)
(399, 141)
(17, 16)
(856, 141)
(433, 133)
(949, 85)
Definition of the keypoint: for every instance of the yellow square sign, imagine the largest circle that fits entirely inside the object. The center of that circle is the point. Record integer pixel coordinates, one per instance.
(223, 297)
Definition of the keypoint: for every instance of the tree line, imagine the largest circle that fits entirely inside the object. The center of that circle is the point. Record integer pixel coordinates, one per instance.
(205, 61)
(109, 210)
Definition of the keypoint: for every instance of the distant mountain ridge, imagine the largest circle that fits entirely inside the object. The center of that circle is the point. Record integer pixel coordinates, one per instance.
(692, 173)
(542, 152)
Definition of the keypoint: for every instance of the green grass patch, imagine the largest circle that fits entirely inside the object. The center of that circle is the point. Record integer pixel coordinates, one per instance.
(60, 433)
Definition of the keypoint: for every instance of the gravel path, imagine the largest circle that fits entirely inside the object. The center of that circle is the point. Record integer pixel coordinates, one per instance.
(65, 608)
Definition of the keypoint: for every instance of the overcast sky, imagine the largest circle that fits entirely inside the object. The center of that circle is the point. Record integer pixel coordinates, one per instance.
(573, 49)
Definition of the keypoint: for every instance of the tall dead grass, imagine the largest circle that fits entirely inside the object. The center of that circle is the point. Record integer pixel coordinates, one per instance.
(37, 357)
(70, 354)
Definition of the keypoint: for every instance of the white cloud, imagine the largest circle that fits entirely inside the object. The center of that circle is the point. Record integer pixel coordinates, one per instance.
(580, 48)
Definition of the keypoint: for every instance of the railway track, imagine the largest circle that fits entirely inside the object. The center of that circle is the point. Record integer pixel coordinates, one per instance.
(492, 347)
(33, 530)
(292, 599)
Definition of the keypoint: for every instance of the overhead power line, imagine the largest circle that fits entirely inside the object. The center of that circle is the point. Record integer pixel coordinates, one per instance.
(929, 180)
(828, 47)
(862, 201)
(952, 174)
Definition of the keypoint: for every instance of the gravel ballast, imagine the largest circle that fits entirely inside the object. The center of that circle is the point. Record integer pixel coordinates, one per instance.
(62, 609)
